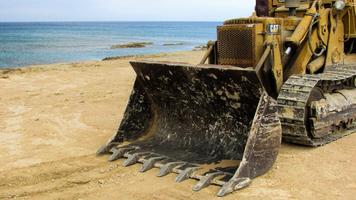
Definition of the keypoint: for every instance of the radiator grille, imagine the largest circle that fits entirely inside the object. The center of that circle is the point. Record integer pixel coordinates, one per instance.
(236, 45)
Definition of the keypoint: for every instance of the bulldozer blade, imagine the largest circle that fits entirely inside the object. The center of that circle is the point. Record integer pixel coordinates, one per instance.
(197, 116)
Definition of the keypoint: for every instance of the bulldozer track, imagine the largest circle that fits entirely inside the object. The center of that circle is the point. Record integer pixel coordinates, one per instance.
(296, 96)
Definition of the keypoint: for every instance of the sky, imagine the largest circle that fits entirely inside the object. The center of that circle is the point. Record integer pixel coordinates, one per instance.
(119, 10)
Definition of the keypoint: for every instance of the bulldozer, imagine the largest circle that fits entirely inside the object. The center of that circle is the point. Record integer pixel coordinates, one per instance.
(281, 74)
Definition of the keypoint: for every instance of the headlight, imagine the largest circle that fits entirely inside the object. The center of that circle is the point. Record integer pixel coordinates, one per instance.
(339, 5)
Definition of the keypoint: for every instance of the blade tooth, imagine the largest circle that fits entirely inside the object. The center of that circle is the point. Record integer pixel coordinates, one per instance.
(133, 158)
(106, 148)
(167, 168)
(186, 173)
(115, 154)
(227, 188)
(119, 153)
(149, 164)
(206, 180)
(102, 150)
(112, 150)
(232, 185)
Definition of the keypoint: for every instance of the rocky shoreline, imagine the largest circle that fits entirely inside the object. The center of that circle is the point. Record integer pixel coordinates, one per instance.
(131, 45)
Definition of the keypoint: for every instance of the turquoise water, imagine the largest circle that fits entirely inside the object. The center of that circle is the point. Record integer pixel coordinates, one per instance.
(44, 43)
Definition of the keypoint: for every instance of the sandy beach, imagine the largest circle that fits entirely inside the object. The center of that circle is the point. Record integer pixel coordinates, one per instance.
(54, 117)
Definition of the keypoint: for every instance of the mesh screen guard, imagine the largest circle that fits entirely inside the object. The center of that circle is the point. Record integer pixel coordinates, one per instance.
(238, 44)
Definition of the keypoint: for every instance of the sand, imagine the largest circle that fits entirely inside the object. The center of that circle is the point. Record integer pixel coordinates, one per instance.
(53, 118)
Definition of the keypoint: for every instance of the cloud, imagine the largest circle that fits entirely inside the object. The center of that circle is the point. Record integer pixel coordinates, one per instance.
(118, 10)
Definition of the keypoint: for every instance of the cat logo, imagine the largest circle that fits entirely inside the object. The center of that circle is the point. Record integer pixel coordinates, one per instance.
(273, 29)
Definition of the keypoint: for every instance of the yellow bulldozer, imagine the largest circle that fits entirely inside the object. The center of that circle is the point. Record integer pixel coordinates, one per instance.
(284, 73)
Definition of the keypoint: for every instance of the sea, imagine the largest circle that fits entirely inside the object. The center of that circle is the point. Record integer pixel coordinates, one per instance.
(33, 43)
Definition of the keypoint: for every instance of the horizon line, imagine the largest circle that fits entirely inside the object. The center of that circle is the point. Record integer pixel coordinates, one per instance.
(105, 21)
